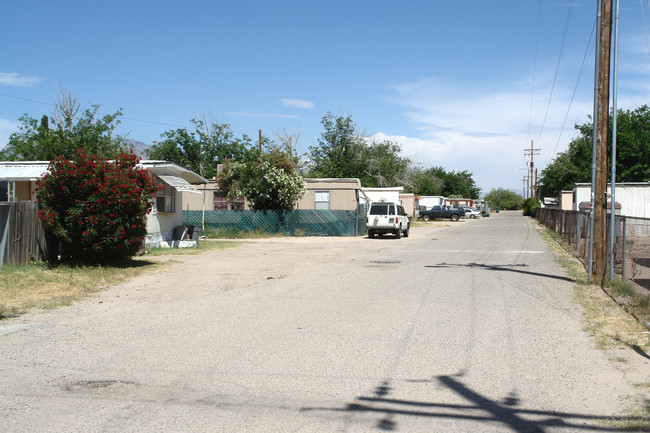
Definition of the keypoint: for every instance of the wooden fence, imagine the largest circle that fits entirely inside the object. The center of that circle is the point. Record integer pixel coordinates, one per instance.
(22, 237)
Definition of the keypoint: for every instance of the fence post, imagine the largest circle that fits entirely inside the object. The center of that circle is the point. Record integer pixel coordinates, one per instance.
(5, 211)
(624, 248)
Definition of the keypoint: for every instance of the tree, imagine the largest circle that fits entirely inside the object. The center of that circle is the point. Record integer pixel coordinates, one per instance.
(96, 208)
(343, 152)
(424, 182)
(437, 181)
(269, 182)
(209, 144)
(460, 184)
(64, 133)
(384, 166)
(504, 199)
(574, 164)
(568, 167)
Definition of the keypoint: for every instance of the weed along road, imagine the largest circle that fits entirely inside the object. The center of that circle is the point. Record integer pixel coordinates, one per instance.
(466, 326)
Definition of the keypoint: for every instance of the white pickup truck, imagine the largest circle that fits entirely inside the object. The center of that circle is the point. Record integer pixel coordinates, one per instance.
(387, 217)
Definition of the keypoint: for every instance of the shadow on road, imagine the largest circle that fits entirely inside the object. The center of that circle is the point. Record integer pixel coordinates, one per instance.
(500, 268)
(478, 408)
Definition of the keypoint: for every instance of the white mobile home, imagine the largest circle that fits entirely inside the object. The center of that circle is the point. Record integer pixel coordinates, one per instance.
(381, 194)
(429, 201)
(634, 197)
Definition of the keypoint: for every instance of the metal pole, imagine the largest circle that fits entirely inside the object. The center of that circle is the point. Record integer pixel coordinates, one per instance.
(593, 151)
(612, 217)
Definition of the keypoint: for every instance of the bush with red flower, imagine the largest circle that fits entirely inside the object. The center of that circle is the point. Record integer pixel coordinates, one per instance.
(96, 208)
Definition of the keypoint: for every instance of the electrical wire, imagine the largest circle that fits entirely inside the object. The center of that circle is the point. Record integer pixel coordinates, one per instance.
(557, 68)
(575, 88)
(645, 26)
(532, 93)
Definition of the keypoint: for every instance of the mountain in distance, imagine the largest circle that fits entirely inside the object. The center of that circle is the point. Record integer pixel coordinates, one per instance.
(139, 148)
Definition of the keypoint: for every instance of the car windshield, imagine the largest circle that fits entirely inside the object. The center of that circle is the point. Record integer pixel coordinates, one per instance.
(382, 209)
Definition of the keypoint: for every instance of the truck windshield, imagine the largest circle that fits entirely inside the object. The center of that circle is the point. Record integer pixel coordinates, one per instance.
(382, 209)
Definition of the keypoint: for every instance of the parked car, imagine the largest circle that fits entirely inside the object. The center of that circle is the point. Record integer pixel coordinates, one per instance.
(438, 212)
(470, 212)
(387, 217)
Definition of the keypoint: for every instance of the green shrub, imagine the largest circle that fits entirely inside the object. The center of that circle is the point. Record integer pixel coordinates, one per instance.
(530, 206)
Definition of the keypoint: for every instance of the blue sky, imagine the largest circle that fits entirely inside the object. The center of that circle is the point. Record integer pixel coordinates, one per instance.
(464, 85)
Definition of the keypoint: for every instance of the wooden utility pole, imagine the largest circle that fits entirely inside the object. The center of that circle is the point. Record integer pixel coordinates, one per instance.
(260, 141)
(602, 131)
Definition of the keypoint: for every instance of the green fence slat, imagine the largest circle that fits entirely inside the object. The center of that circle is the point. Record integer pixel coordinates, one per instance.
(300, 221)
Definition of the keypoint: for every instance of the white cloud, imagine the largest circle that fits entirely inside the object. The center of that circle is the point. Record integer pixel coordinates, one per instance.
(268, 115)
(483, 128)
(297, 103)
(17, 80)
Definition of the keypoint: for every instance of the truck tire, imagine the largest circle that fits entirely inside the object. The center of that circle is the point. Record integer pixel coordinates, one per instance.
(406, 232)
(455, 217)
(426, 217)
(398, 232)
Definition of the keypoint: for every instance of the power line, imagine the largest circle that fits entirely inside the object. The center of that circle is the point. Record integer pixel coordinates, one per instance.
(575, 88)
(557, 68)
(27, 99)
(532, 93)
(645, 26)
(121, 117)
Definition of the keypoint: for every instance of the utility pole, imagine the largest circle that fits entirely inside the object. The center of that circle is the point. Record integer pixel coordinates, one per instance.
(601, 133)
(260, 141)
(536, 198)
(531, 152)
(523, 187)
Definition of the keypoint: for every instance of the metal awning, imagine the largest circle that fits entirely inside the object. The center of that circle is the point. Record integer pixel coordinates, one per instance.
(22, 171)
(178, 183)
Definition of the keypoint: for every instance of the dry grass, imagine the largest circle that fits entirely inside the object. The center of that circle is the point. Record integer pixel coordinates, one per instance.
(40, 286)
(606, 310)
(37, 285)
(615, 316)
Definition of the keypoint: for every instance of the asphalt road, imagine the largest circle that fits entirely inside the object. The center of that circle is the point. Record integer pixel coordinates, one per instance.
(469, 327)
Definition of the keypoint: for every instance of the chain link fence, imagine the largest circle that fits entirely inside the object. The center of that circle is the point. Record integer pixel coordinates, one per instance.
(300, 222)
(631, 248)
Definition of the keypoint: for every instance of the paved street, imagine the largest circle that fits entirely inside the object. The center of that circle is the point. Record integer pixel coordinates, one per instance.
(467, 327)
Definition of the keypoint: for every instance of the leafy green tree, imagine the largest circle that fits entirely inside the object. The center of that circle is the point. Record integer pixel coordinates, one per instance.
(438, 181)
(568, 167)
(203, 148)
(460, 184)
(343, 152)
(632, 145)
(384, 166)
(339, 149)
(424, 182)
(96, 208)
(504, 199)
(269, 181)
(574, 164)
(64, 134)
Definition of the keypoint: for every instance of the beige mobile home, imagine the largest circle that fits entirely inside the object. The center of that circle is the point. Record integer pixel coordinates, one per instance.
(330, 194)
